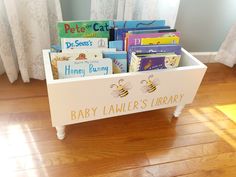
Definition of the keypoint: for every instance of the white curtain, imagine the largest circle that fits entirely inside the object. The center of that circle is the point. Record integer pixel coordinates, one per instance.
(135, 10)
(227, 51)
(26, 27)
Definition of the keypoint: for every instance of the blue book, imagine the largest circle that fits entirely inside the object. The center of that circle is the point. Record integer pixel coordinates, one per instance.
(119, 61)
(120, 33)
(116, 44)
(136, 23)
(139, 49)
(152, 31)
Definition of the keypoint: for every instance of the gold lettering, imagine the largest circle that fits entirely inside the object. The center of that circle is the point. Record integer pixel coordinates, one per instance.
(73, 115)
(170, 100)
(94, 111)
(164, 100)
(144, 103)
(124, 110)
(159, 102)
(152, 104)
(176, 98)
(104, 110)
(135, 104)
(80, 113)
(119, 108)
(111, 110)
(86, 113)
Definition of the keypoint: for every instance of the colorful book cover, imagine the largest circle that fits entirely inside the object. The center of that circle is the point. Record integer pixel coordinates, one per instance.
(153, 49)
(80, 29)
(78, 55)
(120, 32)
(78, 43)
(119, 60)
(135, 39)
(92, 67)
(156, 62)
(160, 40)
(136, 23)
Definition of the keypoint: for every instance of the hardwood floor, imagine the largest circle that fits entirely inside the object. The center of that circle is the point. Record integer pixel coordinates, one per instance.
(200, 143)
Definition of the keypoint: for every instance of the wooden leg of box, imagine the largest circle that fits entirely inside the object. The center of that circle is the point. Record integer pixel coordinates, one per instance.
(60, 132)
(178, 110)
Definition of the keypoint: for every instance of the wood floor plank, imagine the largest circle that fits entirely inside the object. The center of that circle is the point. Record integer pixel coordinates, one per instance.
(178, 168)
(31, 104)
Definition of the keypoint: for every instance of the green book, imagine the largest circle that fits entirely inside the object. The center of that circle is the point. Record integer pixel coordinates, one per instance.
(83, 29)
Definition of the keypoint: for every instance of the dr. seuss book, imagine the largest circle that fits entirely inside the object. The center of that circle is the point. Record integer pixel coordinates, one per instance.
(155, 61)
(119, 60)
(82, 68)
(135, 39)
(80, 29)
(160, 40)
(136, 23)
(78, 43)
(153, 49)
(78, 55)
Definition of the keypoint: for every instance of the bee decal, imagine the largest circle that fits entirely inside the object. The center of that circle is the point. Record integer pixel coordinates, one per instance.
(149, 84)
(121, 90)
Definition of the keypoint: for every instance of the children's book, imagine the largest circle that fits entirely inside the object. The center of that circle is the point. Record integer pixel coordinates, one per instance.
(79, 43)
(160, 40)
(152, 31)
(78, 55)
(135, 39)
(116, 44)
(136, 23)
(82, 68)
(119, 60)
(138, 49)
(151, 62)
(81, 29)
(120, 32)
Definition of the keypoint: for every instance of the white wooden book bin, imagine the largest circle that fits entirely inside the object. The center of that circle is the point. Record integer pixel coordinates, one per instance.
(82, 99)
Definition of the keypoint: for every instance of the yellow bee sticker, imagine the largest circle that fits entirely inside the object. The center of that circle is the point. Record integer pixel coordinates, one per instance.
(150, 85)
(121, 89)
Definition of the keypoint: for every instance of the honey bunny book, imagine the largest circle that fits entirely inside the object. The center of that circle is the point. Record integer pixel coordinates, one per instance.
(82, 68)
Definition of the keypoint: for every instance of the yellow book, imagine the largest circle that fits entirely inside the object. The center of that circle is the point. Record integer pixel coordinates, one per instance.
(160, 40)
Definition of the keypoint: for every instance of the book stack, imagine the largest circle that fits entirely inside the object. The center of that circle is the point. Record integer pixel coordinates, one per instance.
(80, 54)
(149, 44)
(90, 48)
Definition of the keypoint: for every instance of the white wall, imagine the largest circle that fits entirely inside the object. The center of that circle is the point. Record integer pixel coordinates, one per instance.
(203, 23)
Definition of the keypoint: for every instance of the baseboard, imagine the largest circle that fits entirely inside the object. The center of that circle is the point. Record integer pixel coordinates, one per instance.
(205, 57)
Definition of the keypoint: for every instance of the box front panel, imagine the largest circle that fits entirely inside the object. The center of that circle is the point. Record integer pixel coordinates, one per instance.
(86, 100)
